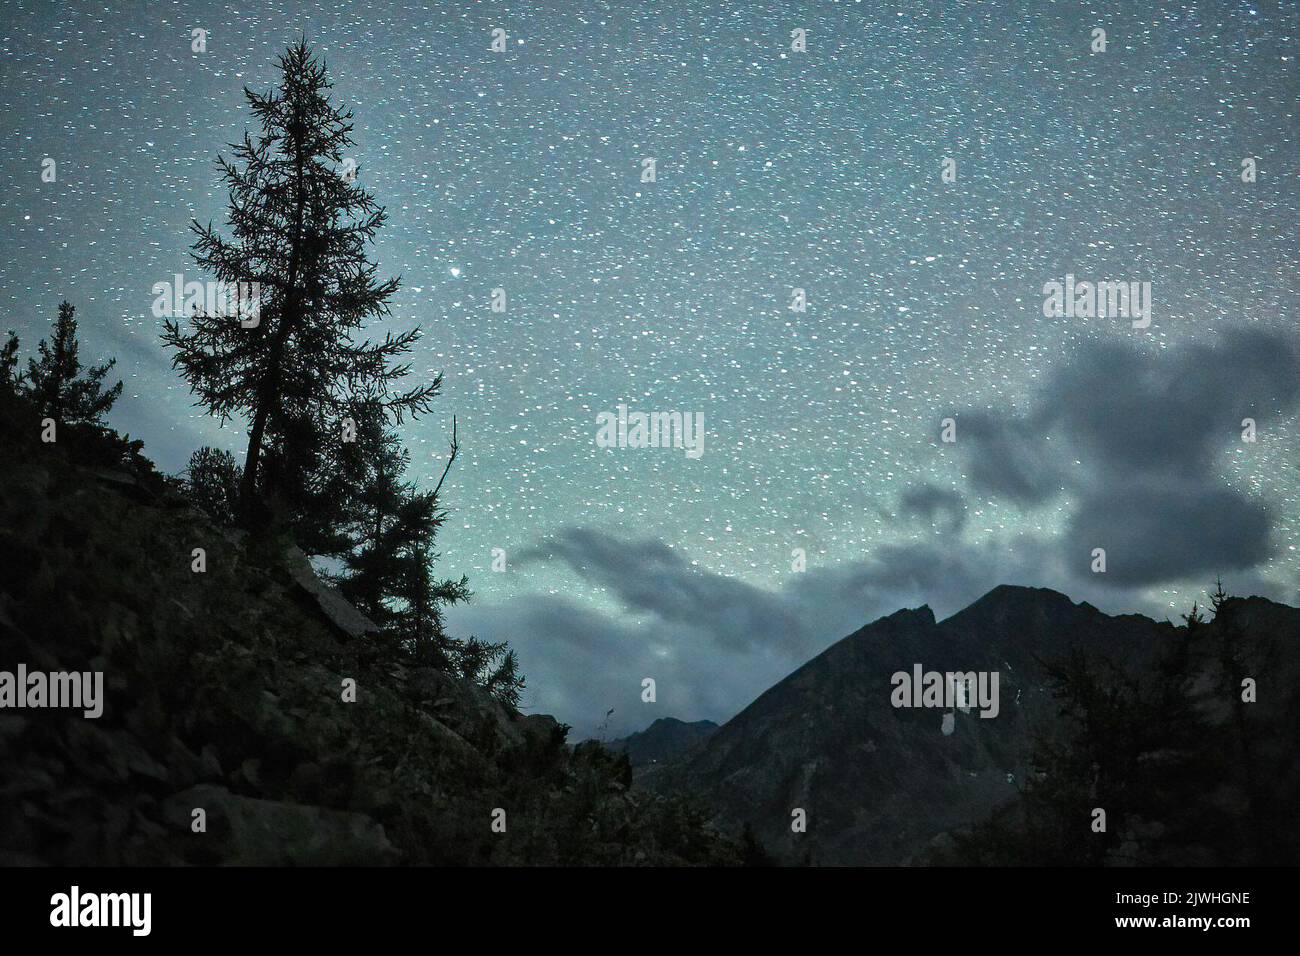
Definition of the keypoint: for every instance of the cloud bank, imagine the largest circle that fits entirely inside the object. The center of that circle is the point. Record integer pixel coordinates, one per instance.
(1129, 439)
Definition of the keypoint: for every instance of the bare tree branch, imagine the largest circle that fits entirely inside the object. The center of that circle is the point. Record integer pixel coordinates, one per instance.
(455, 447)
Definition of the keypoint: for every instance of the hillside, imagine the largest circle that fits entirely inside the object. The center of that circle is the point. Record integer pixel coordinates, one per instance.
(224, 692)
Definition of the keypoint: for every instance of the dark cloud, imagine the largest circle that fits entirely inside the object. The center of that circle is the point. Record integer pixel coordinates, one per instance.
(1130, 437)
(1129, 411)
(1146, 429)
(712, 643)
(649, 577)
(1008, 457)
(1161, 532)
(682, 626)
(579, 662)
(932, 502)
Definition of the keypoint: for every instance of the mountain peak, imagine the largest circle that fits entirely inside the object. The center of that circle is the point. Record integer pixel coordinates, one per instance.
(1023, 592)
(665, 722)
(1007, 597)
(665, 739)
(890, 783)
(922, 614)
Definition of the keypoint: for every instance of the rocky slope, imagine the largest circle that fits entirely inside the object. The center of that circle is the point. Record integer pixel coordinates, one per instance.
(225, 693)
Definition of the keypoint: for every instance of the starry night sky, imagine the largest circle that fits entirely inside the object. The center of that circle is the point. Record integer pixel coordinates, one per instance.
(776, 170)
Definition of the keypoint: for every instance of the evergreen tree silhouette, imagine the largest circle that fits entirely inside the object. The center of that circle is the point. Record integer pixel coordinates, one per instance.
(9, 361)
(420, 594)
(55, 383)
(320, 455)
(300, 229)
(388, 573)
(1139, 742)
(493, 666)
(1219, 597)
(212, 478)
(374, 465)
(10, 377)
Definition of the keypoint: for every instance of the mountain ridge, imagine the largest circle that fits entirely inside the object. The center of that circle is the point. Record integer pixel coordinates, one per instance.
(881, 784)
(666, 738)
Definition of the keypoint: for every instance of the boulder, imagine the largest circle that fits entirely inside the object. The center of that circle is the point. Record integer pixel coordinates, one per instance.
(335, 608)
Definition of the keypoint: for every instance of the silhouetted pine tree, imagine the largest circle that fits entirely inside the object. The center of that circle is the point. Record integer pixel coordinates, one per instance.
(300, 229)
(1195, 619)
(388, 573)
(1239, 656)
(493, 666)
(421, 596)
(55, 383)
(9, 363)
(373, 465)
(1084, 766)
(1219, 597)
(212, 480)
(11, 399)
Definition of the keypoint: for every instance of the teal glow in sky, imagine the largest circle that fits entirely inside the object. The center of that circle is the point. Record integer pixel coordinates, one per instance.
(775, 171)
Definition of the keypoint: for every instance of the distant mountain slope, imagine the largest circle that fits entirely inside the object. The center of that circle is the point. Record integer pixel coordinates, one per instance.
(666, 739)
(883, 785)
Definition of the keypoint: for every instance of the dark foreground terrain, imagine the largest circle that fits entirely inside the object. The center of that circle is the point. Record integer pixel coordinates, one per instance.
(225, 692)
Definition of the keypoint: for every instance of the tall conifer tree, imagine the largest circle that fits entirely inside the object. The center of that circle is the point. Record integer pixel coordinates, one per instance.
(300, 226)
